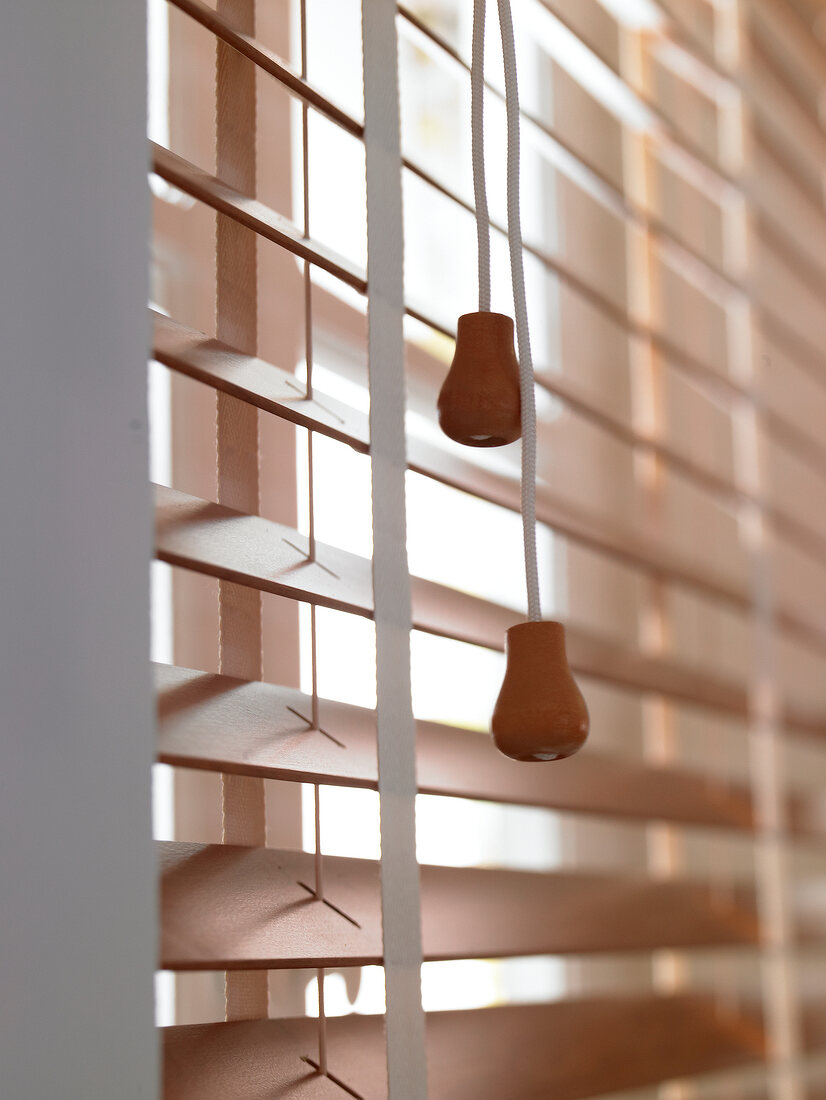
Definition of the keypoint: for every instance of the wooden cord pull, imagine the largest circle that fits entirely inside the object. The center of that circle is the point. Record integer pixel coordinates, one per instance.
(540, 713)
(479, 403)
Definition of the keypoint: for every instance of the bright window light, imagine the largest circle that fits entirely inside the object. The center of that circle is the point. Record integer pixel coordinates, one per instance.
(458, 832)
(369, 1000)
(349, 822)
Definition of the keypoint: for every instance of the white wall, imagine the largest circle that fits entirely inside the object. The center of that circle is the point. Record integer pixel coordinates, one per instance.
(77, 880)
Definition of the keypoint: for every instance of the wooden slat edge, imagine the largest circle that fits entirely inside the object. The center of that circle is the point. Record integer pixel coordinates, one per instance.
(196, 534)
(226, 907)
(275, 391)
(260, 218)
(813, 1025)
(251, 213)
(209, 538)
(641, 1040)
(226, 725)
(269, 62)
(262, 384)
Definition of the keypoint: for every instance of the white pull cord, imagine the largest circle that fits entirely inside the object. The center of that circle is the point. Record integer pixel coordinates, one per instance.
(520, 305)
(477, 129)
(526, 379)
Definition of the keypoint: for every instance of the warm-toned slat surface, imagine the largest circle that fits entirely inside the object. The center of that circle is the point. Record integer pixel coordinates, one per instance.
(212, 539)
(457, 615)
(262, 219)
(193, 353)
(529, 1051)
(776, 106)
(193, 180)
(453, 761)
(795, 331)
(222, 724)
(802, 720)
(276, 391)
(667, 132)
(809, 912)
(806, 817)
(226, 907)
(251, 213)
(575, 522)
(270, 62)
(586, 168)
(212, 191)
(209, 538)
(640, 1041)
(500, 913)
(803, 534)
(253, 1060)
(253, 380)
(197, 534)
(813, 1026)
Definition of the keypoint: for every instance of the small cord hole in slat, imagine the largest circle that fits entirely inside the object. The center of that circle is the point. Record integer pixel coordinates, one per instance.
(335, 908)
(311, 726)
(314, 560)
(329, 412)
(336, 1080)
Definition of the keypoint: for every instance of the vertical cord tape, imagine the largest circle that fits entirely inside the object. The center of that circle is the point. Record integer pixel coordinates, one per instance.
(526, 379)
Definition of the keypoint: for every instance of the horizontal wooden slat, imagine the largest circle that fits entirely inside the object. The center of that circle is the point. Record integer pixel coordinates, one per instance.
(251, 213)
(262, 219)
(587, 172)
(267, 387)
(813, 1026)
(221, 724)
(684, 26)
(808, 907)
(193, 353)
(227, 725)
(455, 614)
(803, 535)
(209, 538)
(269, 62)
(778, 109)
(255, 381)
(525, 1051)
(659, 121)
(575, 522)
(803, 720)
(276, 67)
(225, 907)
(806, 817)
(778, 41)
(593, 25)
(786, 276)
(263, 385)
(782, 209)
(211, 190)
(266, 1058)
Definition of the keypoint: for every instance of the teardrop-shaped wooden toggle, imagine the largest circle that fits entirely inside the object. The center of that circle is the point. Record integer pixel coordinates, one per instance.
(540, 713)
(479, 403)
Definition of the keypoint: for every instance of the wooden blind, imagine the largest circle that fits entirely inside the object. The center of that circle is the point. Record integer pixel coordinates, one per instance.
(650, 914)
